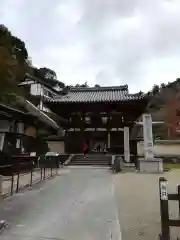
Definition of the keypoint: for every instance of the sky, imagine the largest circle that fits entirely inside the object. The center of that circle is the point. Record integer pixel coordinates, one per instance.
(105, 42)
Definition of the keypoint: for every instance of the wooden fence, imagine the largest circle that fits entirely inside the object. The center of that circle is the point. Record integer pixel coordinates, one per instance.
(47, 168)
(165, 197)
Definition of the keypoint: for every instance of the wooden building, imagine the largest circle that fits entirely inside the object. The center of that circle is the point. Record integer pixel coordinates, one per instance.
(37, 89)
(18, 138)
(18, 129)
(101, 116)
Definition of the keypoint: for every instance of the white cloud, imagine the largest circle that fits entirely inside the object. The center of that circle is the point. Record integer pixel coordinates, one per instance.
(110, 42)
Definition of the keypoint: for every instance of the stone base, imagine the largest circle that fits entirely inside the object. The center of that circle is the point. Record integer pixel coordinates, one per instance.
(151, 165)
(2, 224)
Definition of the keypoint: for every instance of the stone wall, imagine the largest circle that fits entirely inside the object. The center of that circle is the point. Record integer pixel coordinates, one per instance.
(162, 147)
(56, 146)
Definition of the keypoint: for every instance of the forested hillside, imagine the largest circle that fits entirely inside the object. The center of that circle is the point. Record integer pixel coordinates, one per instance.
(15, 63)
(159, 106)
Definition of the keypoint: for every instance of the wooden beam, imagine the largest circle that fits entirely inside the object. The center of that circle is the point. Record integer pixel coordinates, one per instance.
(96, 129)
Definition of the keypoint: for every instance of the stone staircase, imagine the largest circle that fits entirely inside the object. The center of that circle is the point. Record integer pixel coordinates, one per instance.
(90, 160)
(128, 167)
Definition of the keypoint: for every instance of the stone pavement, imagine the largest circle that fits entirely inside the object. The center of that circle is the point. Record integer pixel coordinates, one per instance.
(78, 204)
(138, 204)
(24, 180)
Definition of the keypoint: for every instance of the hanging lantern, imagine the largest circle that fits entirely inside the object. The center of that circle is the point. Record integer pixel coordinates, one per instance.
(87, 119)
(104, 119)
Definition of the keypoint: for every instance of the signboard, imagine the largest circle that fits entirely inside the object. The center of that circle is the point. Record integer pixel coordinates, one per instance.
(163, 190)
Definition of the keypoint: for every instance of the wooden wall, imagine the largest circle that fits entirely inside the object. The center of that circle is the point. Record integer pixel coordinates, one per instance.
(74, 140)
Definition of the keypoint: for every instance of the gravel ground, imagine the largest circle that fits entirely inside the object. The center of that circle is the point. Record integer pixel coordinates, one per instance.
(138, 204)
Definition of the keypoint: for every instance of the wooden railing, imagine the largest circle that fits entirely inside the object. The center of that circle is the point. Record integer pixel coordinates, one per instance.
(46, 168)
(165, 197)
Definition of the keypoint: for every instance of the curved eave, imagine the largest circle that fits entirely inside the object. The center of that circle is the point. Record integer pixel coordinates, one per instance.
(41, 116)
(130, 98)
(34, 111)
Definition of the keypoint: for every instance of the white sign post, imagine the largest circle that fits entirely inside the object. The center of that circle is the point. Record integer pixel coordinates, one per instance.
(163, 190)
(148, 137)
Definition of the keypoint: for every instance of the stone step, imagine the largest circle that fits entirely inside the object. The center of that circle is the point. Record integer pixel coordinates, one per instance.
(87, 163)
(89, 156)
(106, 159)
(129, 165)
(100, 159)
(94, 160)
(92, 157)
(87, 159)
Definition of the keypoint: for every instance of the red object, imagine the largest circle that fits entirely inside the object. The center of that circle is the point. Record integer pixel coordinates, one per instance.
(84, 147)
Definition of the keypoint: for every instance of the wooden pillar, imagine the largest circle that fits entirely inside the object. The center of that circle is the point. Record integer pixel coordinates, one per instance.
(126, 144)
(20, 127)
(148, 136)
(109, 133)
(2, 136)
(66, 142)
(109, 139)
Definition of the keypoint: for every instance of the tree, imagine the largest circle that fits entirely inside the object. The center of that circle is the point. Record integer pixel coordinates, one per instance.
(20, 54)
(85, 84)
(17, 54)
(97, 86)
(155, 89)
(163, 85)
(6, 71)
(19, 50)
(13, 66)
(82, 85)
(48, 76)
(48, 73)
(5, 37)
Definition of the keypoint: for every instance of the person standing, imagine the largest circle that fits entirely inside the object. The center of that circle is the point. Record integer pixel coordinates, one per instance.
(85, 148)
(98, 148)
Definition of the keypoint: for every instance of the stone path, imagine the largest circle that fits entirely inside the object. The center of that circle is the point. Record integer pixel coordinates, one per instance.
(77, 205)
(138, 203)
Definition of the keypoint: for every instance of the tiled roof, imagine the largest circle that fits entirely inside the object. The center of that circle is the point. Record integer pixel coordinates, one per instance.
(10, 110)
(101, 94)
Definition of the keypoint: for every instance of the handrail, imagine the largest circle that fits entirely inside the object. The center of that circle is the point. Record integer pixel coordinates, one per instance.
(17, 168)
